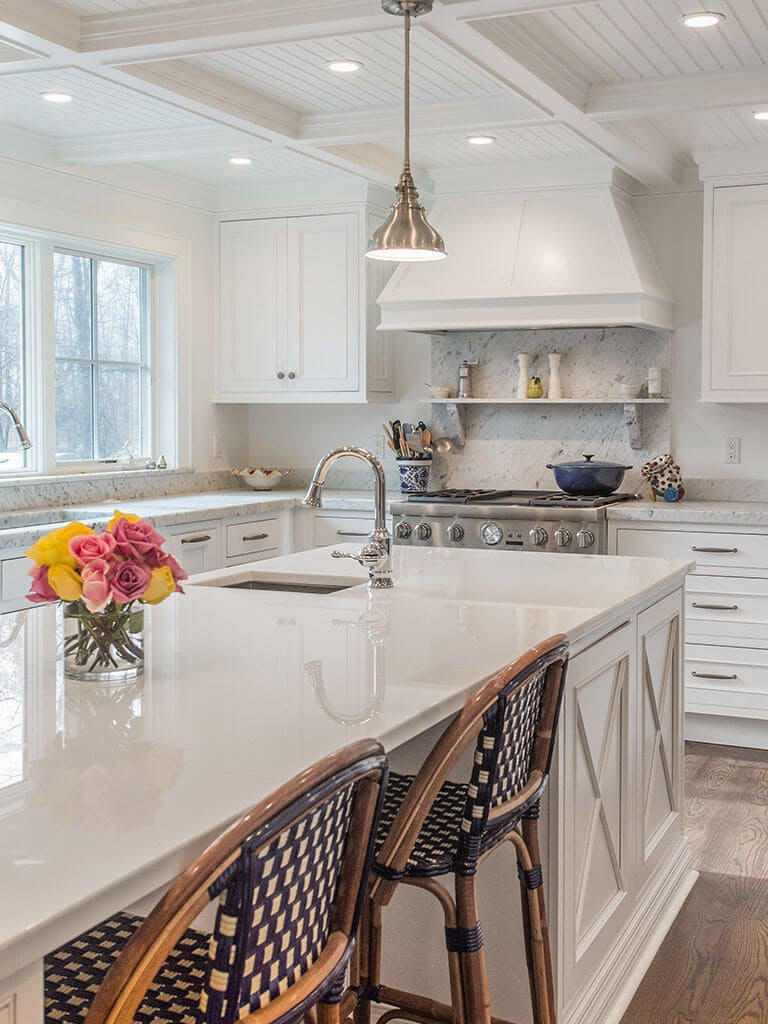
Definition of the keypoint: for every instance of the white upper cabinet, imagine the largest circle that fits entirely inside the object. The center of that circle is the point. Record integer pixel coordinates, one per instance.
(298, 312)
(735, 341)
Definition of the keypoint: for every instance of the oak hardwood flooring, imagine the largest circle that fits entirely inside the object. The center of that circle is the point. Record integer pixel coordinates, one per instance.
(712, 967)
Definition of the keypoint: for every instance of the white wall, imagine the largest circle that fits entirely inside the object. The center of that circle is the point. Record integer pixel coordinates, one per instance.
(72, 202)
(673, 226)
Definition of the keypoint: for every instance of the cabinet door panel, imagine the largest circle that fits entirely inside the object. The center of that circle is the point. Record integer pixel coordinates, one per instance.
(198, 547)
(739, 299)
(324, 303)
(253, 306)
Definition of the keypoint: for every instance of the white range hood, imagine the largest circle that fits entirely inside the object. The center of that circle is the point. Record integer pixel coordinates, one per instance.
(571, 257)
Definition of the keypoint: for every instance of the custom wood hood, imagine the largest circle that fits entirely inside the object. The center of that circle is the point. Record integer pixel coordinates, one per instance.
(572, 257)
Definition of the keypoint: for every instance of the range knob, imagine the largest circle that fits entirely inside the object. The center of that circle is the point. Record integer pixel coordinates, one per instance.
(538, 536)
(585, 538)
(423, 531)
(492, 534)
(455, 533)
(403, 530)
(563, 537)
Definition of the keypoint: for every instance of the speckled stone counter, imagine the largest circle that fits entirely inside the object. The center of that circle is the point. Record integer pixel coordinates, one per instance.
(722, 513)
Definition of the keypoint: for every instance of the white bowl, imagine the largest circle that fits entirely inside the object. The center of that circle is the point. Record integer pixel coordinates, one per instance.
(261, 479)
(441, 391)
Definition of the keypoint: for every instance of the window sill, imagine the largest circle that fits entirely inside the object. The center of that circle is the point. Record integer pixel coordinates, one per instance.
(103, 474)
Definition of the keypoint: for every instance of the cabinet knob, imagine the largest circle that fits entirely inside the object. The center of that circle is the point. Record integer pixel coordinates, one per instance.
(281, 375)
(291, 375)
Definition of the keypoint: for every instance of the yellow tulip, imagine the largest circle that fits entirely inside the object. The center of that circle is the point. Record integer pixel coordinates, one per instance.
(121, 515)
(66, 582)
(53, 549)
(161, 585)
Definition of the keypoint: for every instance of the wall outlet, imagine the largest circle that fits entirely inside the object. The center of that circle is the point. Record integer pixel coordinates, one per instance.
(376, 446)
(732, 450)
(218, 446)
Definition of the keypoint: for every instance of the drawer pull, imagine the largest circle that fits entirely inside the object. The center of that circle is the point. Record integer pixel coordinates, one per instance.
(257, 536)
(196, 540)
(716, 551)
(350, 533)
(712, 675)
(717, 607)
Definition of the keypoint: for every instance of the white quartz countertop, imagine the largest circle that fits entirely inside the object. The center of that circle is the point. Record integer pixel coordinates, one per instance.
(18, 529)
(722, 513)
(117, 790)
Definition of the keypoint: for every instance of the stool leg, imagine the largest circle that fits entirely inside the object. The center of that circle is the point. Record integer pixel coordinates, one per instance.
(538, 955)
(530, 828)
(364, 961)
(474, 972)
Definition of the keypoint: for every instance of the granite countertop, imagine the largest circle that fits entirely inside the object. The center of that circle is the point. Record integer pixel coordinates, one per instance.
(20, 529)
(714, 513)
(223, 723)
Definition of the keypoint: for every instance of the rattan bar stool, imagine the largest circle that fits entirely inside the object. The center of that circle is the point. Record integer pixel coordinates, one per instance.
(290, 879)
(431, 827)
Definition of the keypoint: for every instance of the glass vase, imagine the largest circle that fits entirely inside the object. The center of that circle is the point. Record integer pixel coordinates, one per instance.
(106, 646)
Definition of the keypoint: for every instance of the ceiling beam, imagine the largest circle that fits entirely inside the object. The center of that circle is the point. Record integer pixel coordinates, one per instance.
(40, 21)
(474, 10)
(342, 128)
(654, 167)
(659, 96)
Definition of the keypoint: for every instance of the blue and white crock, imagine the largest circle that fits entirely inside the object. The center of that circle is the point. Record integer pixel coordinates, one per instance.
(414, 475)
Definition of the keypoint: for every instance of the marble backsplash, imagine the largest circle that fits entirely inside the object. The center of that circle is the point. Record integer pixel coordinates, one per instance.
(513, 444)
(50, 492)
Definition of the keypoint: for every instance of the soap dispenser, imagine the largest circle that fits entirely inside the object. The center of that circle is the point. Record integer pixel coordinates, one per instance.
(465, 379)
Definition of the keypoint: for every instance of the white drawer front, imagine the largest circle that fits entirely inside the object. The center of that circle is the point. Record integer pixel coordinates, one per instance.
(338, 530)
(726, 681)
(252, 537)
(723, 550)
(720, 607)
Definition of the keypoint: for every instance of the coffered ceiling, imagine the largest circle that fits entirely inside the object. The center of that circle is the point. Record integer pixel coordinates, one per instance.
(182, 85)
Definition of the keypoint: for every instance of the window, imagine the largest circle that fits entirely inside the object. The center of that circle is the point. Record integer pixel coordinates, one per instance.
(11, 350)
(103, 375)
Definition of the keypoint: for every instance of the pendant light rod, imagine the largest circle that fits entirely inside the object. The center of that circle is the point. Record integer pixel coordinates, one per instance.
(407, 88)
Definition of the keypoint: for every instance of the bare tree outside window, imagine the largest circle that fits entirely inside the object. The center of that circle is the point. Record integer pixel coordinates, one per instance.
(102, 362)
(11, 348)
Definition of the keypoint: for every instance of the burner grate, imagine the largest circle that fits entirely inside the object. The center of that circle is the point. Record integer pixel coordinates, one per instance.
(560, 500)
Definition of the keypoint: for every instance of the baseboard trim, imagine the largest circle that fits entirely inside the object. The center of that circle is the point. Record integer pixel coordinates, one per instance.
(731, 732)
(609, 992)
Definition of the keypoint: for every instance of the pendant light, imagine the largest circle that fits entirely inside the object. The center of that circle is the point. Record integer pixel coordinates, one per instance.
(406, 235)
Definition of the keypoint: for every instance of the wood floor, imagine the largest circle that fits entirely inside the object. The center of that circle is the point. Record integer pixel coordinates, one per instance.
(713, 966)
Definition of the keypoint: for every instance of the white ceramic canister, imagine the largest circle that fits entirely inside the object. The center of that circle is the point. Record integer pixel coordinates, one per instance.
(654, 382)
(524, 361)
(555, 387)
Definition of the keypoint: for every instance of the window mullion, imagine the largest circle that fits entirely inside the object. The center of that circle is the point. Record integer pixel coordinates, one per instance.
(95, 450)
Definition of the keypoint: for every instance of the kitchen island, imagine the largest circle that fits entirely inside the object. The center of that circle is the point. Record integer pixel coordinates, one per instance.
(111, 793)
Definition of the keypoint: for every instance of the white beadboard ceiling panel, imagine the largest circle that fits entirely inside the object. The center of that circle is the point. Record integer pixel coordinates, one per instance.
(270, 166)
(512, 145)
(688, 131)
(10, 53)
(98, 106)
(613, 41)
(86, 7)
(295, 73)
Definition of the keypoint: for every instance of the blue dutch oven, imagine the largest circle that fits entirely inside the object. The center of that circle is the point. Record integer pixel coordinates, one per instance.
(588, 477)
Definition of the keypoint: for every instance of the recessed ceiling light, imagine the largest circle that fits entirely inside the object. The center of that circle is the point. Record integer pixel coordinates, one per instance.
(240, 161)
(344, 67)
(481, 140)
(702, 19)
(56, 97)
(760, 115)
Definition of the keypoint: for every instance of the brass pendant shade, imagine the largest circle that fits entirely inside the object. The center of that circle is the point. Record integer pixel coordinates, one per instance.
(406, 235)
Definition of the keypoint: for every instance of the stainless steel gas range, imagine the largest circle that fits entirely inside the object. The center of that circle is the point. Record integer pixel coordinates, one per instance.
(505, 521)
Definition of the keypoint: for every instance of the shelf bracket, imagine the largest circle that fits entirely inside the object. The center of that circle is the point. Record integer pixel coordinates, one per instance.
(456, 414)
(632, 421)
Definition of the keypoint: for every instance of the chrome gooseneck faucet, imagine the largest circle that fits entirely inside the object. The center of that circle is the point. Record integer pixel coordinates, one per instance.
(26, 444)
(376, 555)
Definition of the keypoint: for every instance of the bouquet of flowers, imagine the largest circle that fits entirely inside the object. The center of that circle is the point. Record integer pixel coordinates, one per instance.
(103, 580)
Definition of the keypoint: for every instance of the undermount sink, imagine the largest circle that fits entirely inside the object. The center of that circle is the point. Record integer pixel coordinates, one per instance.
(288, 588)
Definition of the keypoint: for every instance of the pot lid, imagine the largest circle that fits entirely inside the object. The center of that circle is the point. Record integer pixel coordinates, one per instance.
(588, 461)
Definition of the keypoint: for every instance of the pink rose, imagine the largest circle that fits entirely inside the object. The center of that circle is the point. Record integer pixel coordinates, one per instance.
(129, 582)
(138, 540)
(177, 572)
(84, 549)
(40, 590)
(97, 592)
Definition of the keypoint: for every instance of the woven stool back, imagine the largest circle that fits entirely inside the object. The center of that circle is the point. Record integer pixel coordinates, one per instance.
(290, 877)
(512, 720)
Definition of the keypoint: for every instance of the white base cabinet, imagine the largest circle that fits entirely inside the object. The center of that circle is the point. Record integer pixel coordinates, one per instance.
(726, 624)
(298, 311)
